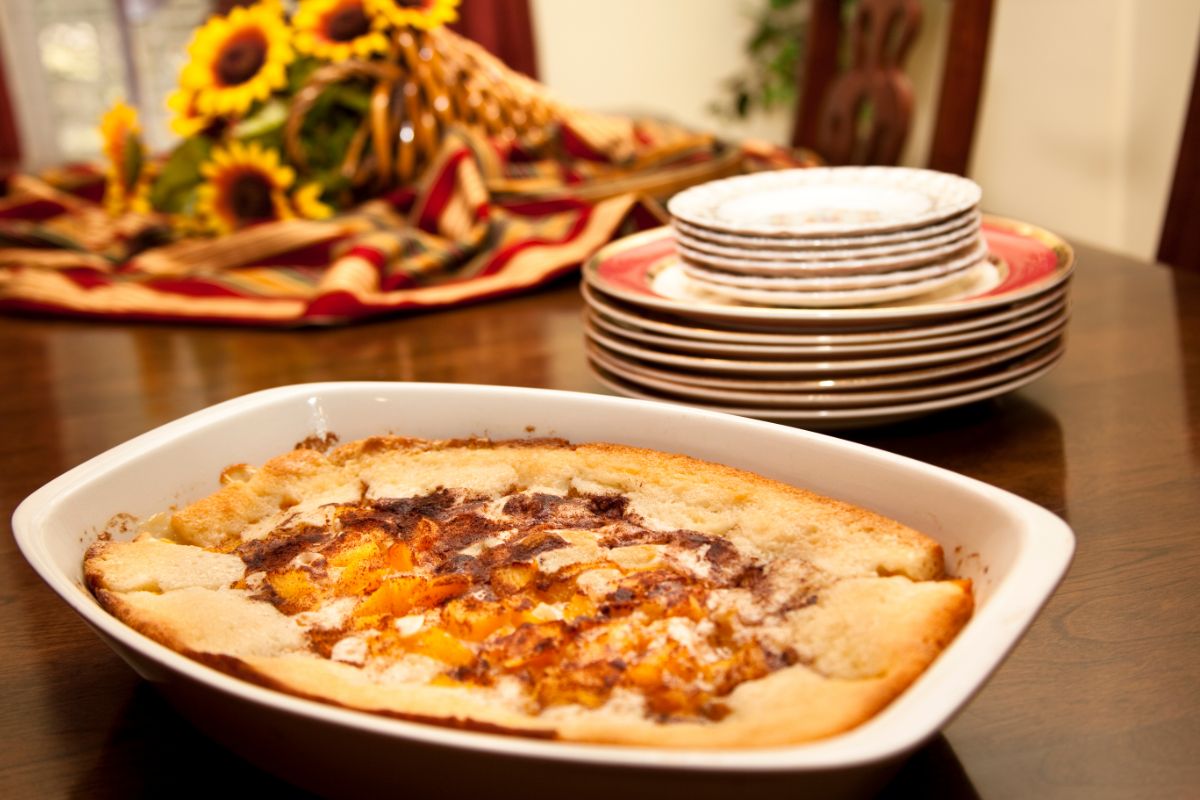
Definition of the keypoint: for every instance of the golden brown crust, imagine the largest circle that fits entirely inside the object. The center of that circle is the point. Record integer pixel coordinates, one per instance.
(720, 608)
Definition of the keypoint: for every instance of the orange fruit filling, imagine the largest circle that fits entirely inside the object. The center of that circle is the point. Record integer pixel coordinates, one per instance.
(486, 612)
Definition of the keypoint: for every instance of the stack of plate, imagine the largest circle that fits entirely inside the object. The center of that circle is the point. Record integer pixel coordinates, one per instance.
(828, 297)
(829, 237)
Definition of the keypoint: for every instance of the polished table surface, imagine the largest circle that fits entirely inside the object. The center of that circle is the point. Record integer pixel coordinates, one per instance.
(1100, 699)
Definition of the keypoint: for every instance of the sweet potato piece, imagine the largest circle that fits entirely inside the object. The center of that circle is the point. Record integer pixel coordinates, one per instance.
(296, 589)
(580, 605)
(400, 557)
(512, 578)
(436, 643)
(401, 595)
(475, 621)
(442, 588)
(361, 569)
(532, 646)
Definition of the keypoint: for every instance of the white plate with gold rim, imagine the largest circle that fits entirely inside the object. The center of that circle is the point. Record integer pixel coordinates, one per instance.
(954, 225)
(777, 264)
(979, 275)
(826, 201)
(966, 254)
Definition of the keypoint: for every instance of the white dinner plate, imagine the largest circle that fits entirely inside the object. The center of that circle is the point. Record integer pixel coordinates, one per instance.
(980, 275)
(770, 264)
(951, 226)
(826, 201)
(965, 255)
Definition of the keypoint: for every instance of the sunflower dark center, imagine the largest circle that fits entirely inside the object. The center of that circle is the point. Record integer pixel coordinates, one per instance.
(347, 24)
(250, 197)
(412, 3)
(241, 58)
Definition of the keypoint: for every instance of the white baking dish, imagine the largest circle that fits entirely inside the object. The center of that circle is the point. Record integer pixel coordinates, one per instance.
(1014, 551)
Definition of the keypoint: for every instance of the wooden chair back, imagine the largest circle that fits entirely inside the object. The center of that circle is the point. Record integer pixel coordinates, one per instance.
(862, 114)
(1179, 242)
(10, 143)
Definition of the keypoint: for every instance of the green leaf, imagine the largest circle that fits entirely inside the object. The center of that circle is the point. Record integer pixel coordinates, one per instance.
(783, 65)
(773, 51)
(762, 37)
(354, 96)
(330, 141)
(268, 118)
(331, 123)
(132, 160)
(299, 72)
(332, 183)
(175, 187)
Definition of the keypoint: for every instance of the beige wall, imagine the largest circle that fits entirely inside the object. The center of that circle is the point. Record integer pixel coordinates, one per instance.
(1082, 108)
(663, 57)
(1081, 121)
(1163, 48)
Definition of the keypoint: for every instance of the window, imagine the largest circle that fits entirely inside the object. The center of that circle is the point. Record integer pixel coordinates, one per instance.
(66, 61)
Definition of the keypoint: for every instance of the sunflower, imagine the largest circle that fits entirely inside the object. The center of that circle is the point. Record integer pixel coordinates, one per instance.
(126, 182)
(336, 30)
(244, 184)
(424, 14)
(186, 119)
(307, 202)
(237, 60)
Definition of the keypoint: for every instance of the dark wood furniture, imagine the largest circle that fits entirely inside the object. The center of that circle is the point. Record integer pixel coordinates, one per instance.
(504, 27)
(1179, 241)
(855, 101)
(10, 142)
(1101, 699)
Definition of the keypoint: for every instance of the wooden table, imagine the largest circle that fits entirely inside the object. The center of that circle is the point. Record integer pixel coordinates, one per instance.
(1101, 699)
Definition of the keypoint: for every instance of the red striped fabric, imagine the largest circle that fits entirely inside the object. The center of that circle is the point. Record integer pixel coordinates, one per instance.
(553, 206)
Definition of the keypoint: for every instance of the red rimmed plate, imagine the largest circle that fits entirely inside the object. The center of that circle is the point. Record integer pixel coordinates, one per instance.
(1028, 261)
